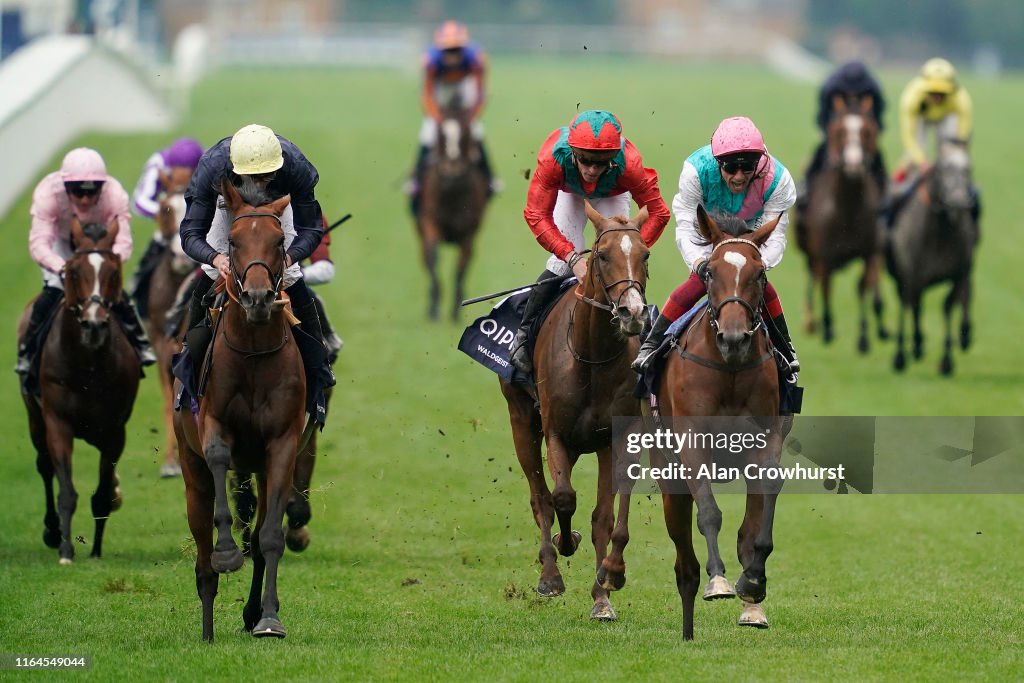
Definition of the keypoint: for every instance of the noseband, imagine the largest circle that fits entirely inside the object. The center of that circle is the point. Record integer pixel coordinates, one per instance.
(104, 302)
(606, 288)
(714, 310)
(239, 279)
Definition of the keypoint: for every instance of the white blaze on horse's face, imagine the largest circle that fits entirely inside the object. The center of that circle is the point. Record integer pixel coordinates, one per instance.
(632, 300)
(853, 154)
(451, 130)
(737, 260)
(90, 311)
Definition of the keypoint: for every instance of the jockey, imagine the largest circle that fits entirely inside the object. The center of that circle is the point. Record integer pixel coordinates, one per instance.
(82, 189)
(851, 81)
(932, 100)
(588, 159)
(264, 167)
(183, 153)
(320, 271)
(454, 72)
(735, 175)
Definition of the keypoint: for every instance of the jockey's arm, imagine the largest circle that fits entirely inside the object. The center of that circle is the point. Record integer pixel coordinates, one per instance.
(684, 208)
(200, 206)
(427, 95)
(479, 75)
(783, 197)
(144, 196)
(963, 106)
(41, 238)
(122, 213)
(910, 111)
(540, 205)
(642, 184)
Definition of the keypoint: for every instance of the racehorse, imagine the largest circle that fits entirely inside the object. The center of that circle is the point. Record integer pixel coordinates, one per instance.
(252, 417)
(722, 366)
(170, 272)
(454, 195)
(840, 221)
(88, 379)
(932, 241)
(581, 365)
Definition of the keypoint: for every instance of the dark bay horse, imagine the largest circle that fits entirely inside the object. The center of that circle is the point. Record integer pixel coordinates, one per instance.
(581, 366)
(167, 278)
(454, 195)
(252, 418)
(722, 367)
(933, 241)
(88, 379)
(840, 222)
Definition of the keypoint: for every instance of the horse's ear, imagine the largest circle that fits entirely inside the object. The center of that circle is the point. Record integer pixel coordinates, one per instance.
(706, 226)
(112, 229)
(166, 182)
(77, 236)
(232, 199)
(279, 205)
(760, 236)
(641, 217)
(867, 103)
(838, 104)
(595, 217)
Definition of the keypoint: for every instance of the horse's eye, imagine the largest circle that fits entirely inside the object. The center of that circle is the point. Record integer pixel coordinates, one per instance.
(602, 256)
(647, 257)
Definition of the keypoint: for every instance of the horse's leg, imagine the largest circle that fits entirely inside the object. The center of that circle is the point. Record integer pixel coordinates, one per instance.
(199, 499)
(465, 254)
(299, 511)
(563, 496)
(253, 609)
(678, 510)
(965, 312)
(107, 497)
(59, 441)
(946, 364)
(875, 263)
(810, 324)
(864, 286)
(526, 435)
(226, 555)
(752, 613)
(709, 521)
(245, 507)
(171, 466)
(429, 241)
(44, 465)
(601, 522)
(752, 584)
(899, 361)
(280, 470)
(826, 305)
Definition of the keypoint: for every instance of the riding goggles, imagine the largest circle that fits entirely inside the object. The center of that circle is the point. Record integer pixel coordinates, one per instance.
(85, 188)
(747, 164)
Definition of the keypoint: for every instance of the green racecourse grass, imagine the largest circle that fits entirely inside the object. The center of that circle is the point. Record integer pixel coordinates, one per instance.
(422, 565)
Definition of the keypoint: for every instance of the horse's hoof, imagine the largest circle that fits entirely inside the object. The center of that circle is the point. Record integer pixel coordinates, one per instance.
(118, 500)
(51, 537)
(899, 363)
(946, 366)
(64, 561)
(751, 591)
(226, 561)
(753, 615)
(576, 537)
(862, 345)
(269, 627)
(610, 581)
(297, 539)
(170, 471)
(718, 588)
(883, 334)
(551, 588)
(965, 339)
(603, 611)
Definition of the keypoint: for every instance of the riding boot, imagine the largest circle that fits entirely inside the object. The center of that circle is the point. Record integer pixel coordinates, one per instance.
(134, 330)
(138, 285)
(180, 307)
(493, 184)
(331, 339)
(651, 344)
(540, 296)
(790, 351)
(415, 183)
(197, 333)
(42, 310)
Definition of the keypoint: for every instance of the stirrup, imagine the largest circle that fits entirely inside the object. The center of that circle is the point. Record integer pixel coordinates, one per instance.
(643, 360)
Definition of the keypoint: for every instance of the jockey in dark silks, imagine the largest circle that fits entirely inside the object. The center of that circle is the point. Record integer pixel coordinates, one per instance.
(852, 82)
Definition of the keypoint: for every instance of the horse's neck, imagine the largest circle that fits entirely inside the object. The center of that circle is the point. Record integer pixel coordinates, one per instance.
(593, 333)
(258, 337)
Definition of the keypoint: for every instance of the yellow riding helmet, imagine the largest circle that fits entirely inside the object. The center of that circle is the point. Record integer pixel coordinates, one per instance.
(939, 76)
(255, 150)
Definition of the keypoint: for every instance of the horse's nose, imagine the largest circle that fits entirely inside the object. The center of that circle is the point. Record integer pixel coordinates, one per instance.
(259, 297)
(632, 318)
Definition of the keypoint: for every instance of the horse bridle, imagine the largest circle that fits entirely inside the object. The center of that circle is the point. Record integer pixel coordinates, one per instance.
(104, 302)
(715, 310)
(277, 279)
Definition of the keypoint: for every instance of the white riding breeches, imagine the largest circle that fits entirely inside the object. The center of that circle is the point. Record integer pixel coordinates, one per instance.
(571, 218)
(428, 131)
(220, 229)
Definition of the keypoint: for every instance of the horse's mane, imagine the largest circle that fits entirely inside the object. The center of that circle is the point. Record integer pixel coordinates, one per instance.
(727, 223)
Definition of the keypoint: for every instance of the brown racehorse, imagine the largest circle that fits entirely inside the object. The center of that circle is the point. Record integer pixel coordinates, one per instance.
(252, 417)
(933, 240)
(452, 202)
(840, 223)
(170, 272)
(88, 380)
(581, 366)
(722, 367)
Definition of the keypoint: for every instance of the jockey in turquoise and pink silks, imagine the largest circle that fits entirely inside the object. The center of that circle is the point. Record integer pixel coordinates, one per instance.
(81, 189)
(588, 159)
(454, 73)
(734, 175)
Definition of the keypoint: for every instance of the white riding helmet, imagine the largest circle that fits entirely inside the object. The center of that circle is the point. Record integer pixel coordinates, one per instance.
(255, 150)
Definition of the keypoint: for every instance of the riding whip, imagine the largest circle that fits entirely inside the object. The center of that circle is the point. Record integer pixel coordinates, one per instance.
(477, 299)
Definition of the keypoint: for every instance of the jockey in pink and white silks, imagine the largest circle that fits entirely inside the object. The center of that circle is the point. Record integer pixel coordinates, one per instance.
(734, 175)
(182, 153)
(80, 189)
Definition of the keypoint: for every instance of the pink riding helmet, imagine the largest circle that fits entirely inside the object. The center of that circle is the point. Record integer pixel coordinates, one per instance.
(184, 152)
(737, 134)
(83, 164)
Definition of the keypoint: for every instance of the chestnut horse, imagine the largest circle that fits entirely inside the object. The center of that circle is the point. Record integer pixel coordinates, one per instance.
(933, 241)
(172, 270)
(722, 366)
(840, 223)
(453, 197)
(581, 366)
(252, 417)
(88, 379)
